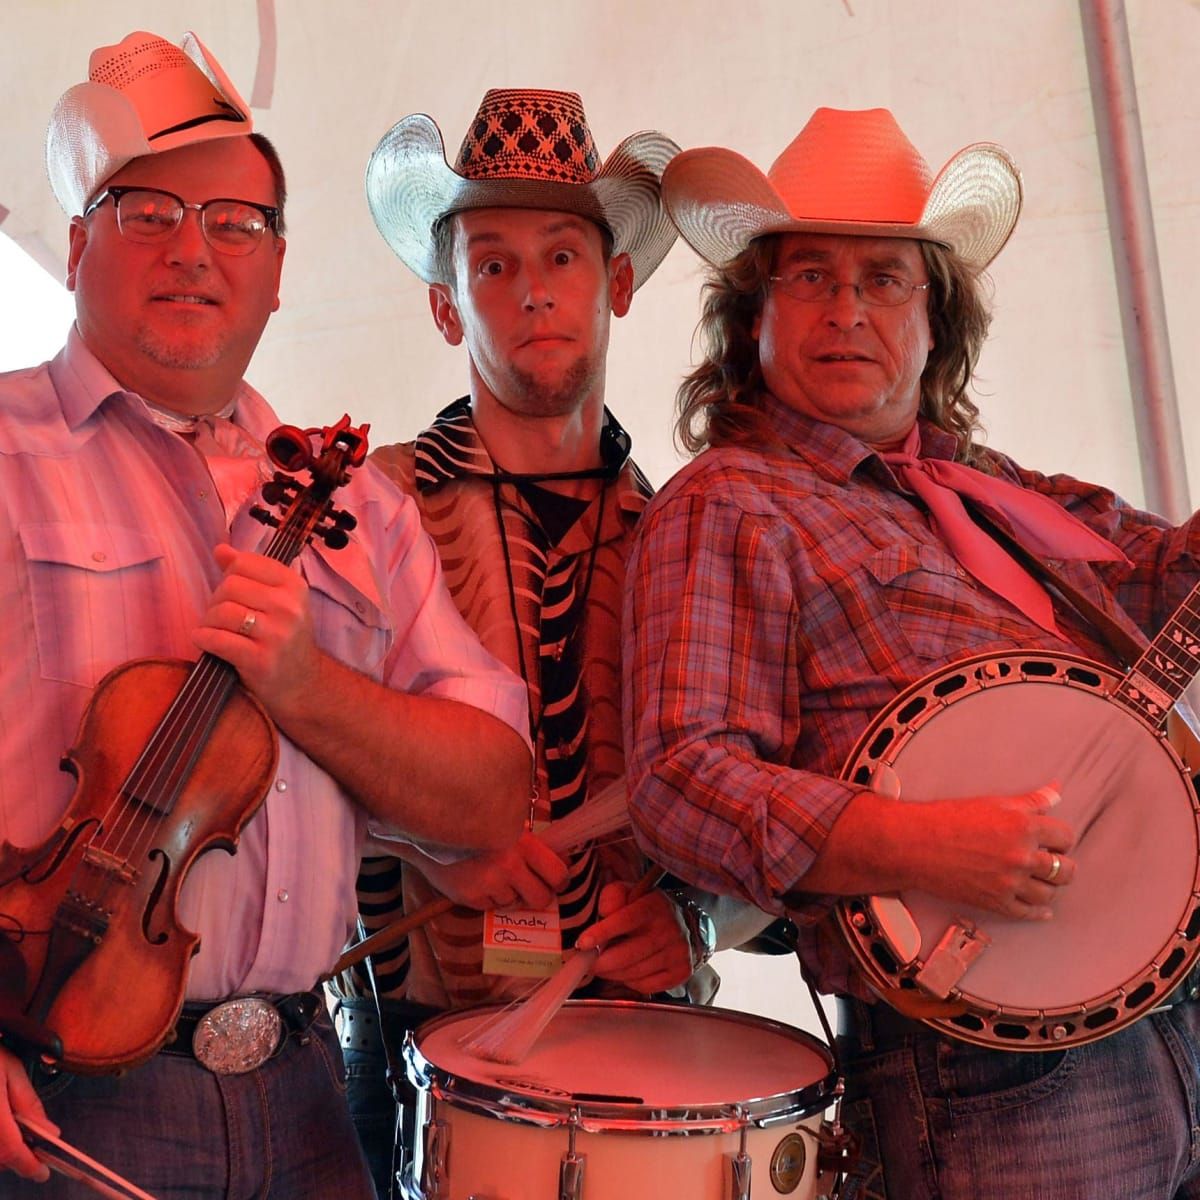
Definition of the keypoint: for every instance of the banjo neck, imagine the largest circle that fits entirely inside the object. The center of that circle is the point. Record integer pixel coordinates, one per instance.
(1166, 667)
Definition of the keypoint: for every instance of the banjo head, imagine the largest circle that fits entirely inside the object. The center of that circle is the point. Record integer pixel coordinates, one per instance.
(1125, 931)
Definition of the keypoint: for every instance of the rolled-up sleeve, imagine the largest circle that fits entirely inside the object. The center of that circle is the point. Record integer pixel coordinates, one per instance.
(713, 704)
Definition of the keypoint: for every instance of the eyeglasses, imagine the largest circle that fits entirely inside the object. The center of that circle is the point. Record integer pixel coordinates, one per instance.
(813, 286)
(152, 215)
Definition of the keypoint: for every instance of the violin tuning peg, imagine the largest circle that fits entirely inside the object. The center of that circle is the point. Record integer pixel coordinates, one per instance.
(335, 538)
(264, 515)
(343, 519)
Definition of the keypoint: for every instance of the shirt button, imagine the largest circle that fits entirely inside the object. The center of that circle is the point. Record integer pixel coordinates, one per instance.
(283, 895)
(202, 494)
(281, 785)
(99, 556)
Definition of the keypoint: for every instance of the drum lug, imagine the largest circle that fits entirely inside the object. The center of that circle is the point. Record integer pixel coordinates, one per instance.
(570, 1173)
(436, 1151)
(739, 1167)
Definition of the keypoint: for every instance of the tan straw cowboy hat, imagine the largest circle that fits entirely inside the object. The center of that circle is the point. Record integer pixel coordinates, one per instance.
(526, 148)
(848, 173)
(142, 96)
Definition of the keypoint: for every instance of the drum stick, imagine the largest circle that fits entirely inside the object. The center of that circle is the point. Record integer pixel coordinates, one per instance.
(387, 937)
(601, 814)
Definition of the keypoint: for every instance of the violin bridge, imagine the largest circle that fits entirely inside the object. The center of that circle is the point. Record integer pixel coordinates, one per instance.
(110, 864)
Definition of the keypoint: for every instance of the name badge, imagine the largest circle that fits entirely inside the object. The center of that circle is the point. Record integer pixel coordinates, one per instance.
(522, 941)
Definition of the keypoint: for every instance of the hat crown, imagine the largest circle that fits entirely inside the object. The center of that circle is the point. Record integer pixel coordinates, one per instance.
(167, 90)
(853, 165)
(529, 134)
(138, 55)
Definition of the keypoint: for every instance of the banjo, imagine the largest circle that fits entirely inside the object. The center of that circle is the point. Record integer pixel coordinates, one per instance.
(1127, 930)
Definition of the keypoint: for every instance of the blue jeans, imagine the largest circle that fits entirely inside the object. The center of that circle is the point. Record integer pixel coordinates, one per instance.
(1116, 1119)
(384, 1113)
(281, 1132)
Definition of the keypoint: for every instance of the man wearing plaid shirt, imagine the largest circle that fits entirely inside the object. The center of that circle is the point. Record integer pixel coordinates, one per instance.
(817, 559)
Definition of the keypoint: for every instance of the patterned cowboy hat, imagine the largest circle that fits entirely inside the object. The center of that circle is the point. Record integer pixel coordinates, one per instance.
(848, 173)
(525, 148)
(143, 96)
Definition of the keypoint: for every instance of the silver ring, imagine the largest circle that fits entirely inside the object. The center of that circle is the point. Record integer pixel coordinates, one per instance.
(247, 625)
(1055, 867)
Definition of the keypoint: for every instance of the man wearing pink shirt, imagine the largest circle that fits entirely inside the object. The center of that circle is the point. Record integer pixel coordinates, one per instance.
(128, 466)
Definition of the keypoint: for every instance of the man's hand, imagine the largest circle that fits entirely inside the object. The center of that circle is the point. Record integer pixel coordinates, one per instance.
(528, 874)
(17, 1096)
(259, 622)
(1005, 854)
(645, 946)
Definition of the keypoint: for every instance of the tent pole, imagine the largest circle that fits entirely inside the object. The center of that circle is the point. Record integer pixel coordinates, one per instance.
(1135, 257)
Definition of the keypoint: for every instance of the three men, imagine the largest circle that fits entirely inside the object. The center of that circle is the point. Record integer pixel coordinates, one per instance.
(818, 558)
(128, 466)
(529, 245)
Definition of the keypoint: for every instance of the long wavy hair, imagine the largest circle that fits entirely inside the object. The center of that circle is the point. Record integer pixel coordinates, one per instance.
(719, 401)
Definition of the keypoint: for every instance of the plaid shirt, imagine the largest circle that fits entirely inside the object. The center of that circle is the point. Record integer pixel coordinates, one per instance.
(779, 597)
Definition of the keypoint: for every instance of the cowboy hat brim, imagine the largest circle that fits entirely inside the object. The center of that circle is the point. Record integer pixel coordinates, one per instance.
(720, 202)
(411, 186)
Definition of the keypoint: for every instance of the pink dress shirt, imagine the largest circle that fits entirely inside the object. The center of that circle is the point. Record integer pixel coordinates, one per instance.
(107, 523)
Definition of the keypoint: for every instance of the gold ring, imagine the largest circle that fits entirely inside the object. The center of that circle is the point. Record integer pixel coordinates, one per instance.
(1055, 867)
(247, 624)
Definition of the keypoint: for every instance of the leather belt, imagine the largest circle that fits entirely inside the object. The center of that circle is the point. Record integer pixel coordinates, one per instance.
(238, 1035)
(358, 1021)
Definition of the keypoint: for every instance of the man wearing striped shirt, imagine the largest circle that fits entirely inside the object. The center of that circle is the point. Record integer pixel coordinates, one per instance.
(528, 490)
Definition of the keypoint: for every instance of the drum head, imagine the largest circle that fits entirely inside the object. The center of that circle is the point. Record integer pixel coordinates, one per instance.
(600, 1054)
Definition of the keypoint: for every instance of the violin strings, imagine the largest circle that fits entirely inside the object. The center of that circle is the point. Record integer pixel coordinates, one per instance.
(165, 764)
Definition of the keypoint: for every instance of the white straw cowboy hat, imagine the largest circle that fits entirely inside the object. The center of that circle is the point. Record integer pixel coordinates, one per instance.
(142, 96)
(526, 148)
(847, 173)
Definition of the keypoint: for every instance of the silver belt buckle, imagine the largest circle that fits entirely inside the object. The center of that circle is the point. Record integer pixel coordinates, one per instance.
(237, 1036)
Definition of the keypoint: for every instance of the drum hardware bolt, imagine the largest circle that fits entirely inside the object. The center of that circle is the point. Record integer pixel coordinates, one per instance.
(436, 1145)
(740, 1164)
(1058, 1032)
(859, 921)
(570, 1173)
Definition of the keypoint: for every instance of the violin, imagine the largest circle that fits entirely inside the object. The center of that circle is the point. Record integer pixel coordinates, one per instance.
(171, 761)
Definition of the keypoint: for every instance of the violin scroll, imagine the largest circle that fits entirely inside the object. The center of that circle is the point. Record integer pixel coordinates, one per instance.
(343, 448)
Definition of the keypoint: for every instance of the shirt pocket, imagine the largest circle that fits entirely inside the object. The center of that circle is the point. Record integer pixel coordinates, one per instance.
(93, 592)
(349, 620)
(930, 599)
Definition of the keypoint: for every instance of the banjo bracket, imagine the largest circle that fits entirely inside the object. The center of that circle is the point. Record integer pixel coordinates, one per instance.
(961, 944)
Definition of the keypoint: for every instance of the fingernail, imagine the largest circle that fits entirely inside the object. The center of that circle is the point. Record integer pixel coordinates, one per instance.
(1050, 794)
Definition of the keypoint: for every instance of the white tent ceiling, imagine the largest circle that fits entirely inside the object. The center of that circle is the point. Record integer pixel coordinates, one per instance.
(354, 332)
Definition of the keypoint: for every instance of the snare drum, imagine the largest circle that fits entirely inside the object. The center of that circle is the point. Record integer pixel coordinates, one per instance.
(620, 1101)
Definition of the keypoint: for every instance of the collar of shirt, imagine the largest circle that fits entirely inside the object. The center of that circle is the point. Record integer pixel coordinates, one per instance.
(835, 454)
(451, 449)
(83, 384)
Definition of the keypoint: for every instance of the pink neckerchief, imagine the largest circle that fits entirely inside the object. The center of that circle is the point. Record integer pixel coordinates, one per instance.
(1040, 525)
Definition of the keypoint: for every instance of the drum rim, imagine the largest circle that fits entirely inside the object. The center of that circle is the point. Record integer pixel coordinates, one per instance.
(599, 1117)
